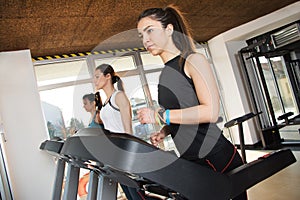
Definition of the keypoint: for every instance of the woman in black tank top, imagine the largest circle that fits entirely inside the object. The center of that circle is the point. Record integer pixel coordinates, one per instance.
(187, 93)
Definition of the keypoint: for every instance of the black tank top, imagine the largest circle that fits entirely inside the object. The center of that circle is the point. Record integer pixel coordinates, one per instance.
(177, 91)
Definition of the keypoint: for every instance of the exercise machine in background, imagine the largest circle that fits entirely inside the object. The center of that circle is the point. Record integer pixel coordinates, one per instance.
(270, 66)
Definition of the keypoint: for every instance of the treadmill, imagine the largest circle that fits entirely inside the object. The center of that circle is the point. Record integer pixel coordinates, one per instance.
(122, 158)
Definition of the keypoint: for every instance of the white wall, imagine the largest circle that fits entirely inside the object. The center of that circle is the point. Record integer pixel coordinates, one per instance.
(31, 171)
(223, 49)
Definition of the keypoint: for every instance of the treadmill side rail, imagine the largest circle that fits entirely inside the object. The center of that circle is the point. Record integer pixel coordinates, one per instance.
(254, 172)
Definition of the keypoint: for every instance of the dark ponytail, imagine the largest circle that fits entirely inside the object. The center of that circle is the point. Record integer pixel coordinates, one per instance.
(108, 69)
(98, 101)
(182, 33)
(118, 80)
(115, 79)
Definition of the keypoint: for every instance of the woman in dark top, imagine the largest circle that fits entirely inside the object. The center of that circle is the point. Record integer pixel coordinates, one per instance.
(187, 93)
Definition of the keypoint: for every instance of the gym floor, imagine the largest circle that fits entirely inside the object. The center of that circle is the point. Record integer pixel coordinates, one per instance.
(283, 185)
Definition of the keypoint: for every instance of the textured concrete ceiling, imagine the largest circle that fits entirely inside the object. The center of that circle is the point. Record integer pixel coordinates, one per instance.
(62, 27)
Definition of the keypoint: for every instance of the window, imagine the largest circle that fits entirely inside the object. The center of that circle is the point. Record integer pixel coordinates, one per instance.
(119, 64)
(151, 62)
(62, 86)
(62, 72)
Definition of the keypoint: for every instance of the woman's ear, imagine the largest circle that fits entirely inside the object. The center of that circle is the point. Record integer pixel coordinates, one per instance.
(108, 76)
(170, 29)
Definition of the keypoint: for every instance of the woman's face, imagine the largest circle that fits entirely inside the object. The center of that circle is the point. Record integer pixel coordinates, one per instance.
(155, 37)
(88, 105)
(100, 80)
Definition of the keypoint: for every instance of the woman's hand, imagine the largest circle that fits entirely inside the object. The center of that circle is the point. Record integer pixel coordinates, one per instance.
(146, 116)
(157, 137)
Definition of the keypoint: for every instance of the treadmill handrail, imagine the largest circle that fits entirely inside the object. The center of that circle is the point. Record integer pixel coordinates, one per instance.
(240, 119)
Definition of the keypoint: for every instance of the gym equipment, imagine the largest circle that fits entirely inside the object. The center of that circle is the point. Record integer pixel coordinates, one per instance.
(239, 121)
(289, 120)
(133, 162)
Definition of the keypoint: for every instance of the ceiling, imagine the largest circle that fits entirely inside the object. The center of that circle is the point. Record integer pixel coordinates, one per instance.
(72, 26)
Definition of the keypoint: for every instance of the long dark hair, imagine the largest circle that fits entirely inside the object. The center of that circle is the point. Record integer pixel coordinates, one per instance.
(108, 69)
(182, 33)
(96, 98)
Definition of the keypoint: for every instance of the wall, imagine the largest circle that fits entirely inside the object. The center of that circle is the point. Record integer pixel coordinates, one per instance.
(31, 171)
(223, 49)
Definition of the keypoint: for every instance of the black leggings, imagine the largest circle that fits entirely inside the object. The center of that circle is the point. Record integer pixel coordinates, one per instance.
(224, 161)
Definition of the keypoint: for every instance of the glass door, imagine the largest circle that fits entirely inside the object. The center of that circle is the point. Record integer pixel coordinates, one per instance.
(278, 85)
(293, 70)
